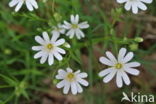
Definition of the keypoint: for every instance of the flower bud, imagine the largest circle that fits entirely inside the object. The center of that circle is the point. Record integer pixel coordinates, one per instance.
(7, 51)
(67, 45)
(139, 39)
(133, 46)
(57, 17)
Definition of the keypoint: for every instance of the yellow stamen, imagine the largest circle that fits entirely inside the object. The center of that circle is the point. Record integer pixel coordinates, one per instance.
(50, 46)
(74, 26)
(70, 77)
(118, 66)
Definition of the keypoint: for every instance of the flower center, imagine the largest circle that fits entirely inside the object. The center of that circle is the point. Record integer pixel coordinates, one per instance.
(70, 77)
(74, 26)
(118, 66)
(50, 46)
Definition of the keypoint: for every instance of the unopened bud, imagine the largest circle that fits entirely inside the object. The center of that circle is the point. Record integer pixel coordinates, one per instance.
(67, 45)
(139, 39)
(7, 51)
(57, 17)
(133, 47)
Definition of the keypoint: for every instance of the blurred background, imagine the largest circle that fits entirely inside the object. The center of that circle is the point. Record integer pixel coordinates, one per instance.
(23, 80)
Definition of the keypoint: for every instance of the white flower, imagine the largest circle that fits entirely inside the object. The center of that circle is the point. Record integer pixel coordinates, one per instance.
(49, 48)
(119, 67)
(75, 27)
(31, 4)
(135, 4)
(59, 29)
(71, 80)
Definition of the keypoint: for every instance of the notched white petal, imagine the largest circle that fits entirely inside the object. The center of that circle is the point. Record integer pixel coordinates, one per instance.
(105, 72)
(105, 61)
(61, 84)
(110, 76)
(125, 78)
(74, 88)
(119, 81)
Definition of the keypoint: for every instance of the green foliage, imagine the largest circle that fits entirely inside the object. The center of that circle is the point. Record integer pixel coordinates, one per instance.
(21, 75)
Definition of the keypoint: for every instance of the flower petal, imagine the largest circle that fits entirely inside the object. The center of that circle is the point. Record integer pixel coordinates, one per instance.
(13, 3)
(70, 33)
(19, 5)
(29, 6)
(60, 50)
(82, 75)
(105, 61)
(61, 74)
(39, 40)
(72, 19)
(134, 8)
(34, 4)
(66, 25)
(43, 58)
(58, 56)
(125, 78)
(121, 55)
(37, 48)
(74, 88)
(132, 71)
(105, 72)
(39, 54)
(83, 25)
(132, 64)
(59, 42)
(56, 33)
(69, 70)
(119, 79)
(77, 72)
(147, 1)
(79, 34)
(110, 76)
(121, 1)
(51, 59)
(141, 6)
(128, 6)
(128, 57)
(79, 88)
(46, 36)
(76, 19)
(83, 82)
(66, 87)
(54, 37)
(61, 84)
(111, 57)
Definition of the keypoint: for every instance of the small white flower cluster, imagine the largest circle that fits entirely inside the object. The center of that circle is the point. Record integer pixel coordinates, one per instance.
(50, 48)
(73, 27)
(119, 67)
